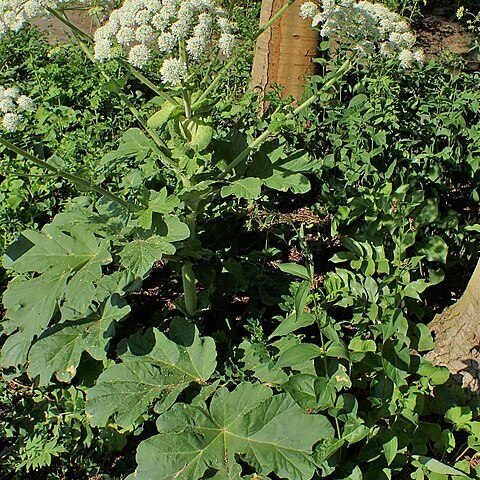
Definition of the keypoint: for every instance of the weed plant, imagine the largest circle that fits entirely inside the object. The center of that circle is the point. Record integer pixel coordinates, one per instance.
(231, 311)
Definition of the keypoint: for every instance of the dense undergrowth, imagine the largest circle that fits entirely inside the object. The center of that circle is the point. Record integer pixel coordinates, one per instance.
(318, 265)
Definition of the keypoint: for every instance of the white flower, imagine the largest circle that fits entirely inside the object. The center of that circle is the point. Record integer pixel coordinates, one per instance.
(371, 27)
(144, 33)
(11, 102)
(139, 55)
(181, 28)
(419, 57)
(224, 24)
(125, 35)
(25, 103)
(173, 71)
(14, 13)
(204, 26)
(6, 105)
(166, 42)
(196, 47)
(103, 49)
(408, 39)
(12, 92)
(226, 43)
(11, 121)
(166, 23)
(309, 10)
(406, 58)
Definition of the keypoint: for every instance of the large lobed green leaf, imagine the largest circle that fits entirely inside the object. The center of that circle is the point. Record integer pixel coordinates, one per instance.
(154, 367)
(69, 262)
(59, 349)
(271, 433)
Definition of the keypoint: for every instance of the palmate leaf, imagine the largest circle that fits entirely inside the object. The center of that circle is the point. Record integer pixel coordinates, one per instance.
(140, 255)
(271, 433)
(154, 368)
(70, 263)
(53, 247)
(59, 349)
(30, 308)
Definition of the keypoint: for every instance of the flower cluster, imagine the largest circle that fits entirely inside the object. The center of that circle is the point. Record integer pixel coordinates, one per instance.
(180, 29)
(372, 27)
(14, 13)
(12, 105)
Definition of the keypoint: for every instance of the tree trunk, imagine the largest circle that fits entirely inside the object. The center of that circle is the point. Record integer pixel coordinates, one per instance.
(457, 337)
(284, 52)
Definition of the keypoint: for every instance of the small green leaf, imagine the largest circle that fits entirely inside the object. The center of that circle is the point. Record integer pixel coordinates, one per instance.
(357, 100)
(249, 188)
(396, 361)
(459, 416)
(176, 229)
(293, 323)
(296, 182)
(435, 466)
(434, 248)
(298, 354)
(425, 340)
(390, 450)
(301, 299)
(436, 375)
(294, 269)
(140, 255)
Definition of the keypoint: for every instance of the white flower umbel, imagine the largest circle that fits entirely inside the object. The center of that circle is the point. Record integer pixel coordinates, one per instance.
(173, 71)
(139, 55)
(11, 121)
(371, 27)
(12, 105)
(141, 26)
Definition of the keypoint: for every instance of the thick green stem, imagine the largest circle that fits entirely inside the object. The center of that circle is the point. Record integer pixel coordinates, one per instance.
(267, 133)
(186, 103)
(139, 76)
(185, 95)
(189, 288)
(153, 135)
(75, 179)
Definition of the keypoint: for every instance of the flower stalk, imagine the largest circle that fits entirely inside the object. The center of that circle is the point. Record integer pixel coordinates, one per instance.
(75, 179)
(267, 133)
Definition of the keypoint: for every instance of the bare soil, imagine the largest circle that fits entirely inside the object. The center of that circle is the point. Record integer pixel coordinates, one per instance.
(440, 36)
(58, 32)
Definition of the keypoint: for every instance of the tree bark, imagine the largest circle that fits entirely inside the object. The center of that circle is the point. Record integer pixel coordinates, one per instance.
(284, 52)
(457, 337)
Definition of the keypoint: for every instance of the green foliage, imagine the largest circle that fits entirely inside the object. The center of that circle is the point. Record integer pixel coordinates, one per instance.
(45, 431)
(76, 121)
(272, 434)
